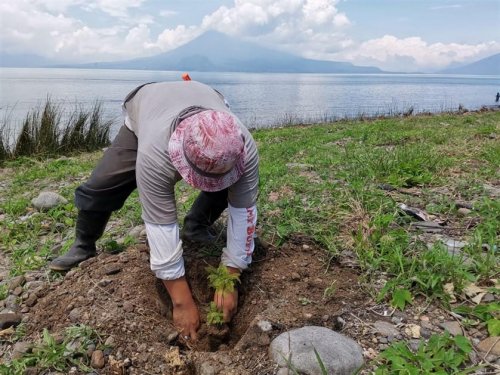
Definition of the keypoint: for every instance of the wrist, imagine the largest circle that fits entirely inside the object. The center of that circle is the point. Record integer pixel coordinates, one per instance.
(179, 292)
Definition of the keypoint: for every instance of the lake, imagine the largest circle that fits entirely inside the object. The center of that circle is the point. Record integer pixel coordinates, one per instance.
(259, 99)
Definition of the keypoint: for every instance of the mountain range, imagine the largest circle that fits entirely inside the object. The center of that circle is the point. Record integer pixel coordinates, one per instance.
(487, 66)
(217, 52)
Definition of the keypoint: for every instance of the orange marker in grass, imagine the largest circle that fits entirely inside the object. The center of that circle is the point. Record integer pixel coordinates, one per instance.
(186, 77)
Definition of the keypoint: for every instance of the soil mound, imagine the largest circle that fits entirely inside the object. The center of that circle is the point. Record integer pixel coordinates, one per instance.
(117, 295)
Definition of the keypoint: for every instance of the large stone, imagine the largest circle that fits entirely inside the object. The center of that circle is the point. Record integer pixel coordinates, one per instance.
(9, 320)
(339, 354)
(47, 200)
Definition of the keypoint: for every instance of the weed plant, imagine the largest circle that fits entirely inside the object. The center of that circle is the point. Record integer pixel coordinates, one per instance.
(442, 354)
(44, 132)
(52, 355)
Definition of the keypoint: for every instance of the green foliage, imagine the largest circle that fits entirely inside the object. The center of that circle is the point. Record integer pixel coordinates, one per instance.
(221, 279)
(50, 354)
(48, 131)
(487, 313)
(442, 354)
(320, 363)
(4, 291)
(400, 298)
(214, 315)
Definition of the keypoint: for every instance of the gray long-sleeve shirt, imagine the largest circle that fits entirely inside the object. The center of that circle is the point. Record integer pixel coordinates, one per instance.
(152, 113)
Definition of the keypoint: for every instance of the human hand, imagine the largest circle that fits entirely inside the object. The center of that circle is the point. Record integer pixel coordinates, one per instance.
(228, 302)
(186, 319)
(185, 312)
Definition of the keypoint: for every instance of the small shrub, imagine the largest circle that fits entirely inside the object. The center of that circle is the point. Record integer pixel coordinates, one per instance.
(222, 280)
(214, 315)
(440, 355)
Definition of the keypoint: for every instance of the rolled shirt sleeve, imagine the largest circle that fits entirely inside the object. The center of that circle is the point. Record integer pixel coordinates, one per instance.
(240, 237)
(165, 251)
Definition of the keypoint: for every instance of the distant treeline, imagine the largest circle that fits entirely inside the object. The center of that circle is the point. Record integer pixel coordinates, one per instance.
(49, 131)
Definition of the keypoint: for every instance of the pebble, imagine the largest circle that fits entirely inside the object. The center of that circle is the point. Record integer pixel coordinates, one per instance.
(97, 360)
(47, 200)
(16, 282)
(385, 329)
(491, 344)
(112, 269)
(295, 276)
(104, 282)
(74, 315)
(463, 211)
(110, 341)
(18, 291)
(265, 325)
(20, 348)
(128, 306)
(32, 300)
(452, 327)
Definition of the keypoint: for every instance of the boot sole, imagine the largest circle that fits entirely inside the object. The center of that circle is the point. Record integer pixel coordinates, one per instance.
(57, 268)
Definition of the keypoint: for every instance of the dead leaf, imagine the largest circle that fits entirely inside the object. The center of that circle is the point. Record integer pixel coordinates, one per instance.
(477, 299)
(7, 332)
(471, 290)
(449, 289)
(413, 330)
(173, 357)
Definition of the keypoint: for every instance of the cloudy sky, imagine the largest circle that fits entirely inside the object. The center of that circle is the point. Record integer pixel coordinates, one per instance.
(402, 35)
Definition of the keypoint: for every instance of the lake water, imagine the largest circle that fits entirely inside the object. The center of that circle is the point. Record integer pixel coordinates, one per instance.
(260, 100)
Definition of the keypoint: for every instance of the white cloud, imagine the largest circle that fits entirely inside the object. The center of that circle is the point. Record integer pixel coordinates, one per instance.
(310, 28)
(392, 53)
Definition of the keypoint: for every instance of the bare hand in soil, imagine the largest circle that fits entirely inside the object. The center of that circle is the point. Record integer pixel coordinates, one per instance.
(185, 313)
(227, 303)
(187, 319)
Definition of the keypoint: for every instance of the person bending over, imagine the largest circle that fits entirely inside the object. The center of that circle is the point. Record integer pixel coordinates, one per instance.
(173, 131)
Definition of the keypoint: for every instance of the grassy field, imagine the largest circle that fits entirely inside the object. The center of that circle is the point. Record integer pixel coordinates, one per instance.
(341, 184)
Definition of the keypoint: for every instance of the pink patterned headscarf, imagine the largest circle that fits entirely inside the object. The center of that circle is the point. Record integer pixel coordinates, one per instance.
(208, 150)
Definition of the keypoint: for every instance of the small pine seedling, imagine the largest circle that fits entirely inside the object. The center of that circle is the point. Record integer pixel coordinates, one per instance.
(221, 279)
(214, 315)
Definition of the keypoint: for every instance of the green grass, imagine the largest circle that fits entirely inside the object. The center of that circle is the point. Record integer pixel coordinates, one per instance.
(321, 181)
(52, 355)
(442, 354)
(48, 131)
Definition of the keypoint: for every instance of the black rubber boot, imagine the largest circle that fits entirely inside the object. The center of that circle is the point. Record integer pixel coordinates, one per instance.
(205, 210)
(90, 226)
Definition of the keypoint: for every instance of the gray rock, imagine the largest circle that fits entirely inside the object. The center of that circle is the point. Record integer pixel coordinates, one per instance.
(283, 371)
(136, 231)
(453, 327)
(16, 282)
(110, 341)
(463, 212)
(47, 200)
(10, 320)
(206, 369)
(385, 329)
(491, 345)
(20, 348)
(339, 354)
(74, 315)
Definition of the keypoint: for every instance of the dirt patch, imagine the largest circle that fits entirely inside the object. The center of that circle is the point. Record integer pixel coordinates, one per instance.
(291, 286)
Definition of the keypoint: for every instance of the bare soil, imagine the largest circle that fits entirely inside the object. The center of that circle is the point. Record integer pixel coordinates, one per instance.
(116, 294)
